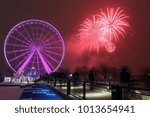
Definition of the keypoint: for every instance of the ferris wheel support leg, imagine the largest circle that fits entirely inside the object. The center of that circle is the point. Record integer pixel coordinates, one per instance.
(47, 68)
(25, 64)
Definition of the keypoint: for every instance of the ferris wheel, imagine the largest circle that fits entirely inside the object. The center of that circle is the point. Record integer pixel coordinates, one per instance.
(33, 48)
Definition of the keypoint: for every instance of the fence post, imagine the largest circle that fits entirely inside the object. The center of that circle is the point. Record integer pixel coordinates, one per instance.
(84, 90)
(116, 92)
(60, 81)
(55, 82)
(68, 87)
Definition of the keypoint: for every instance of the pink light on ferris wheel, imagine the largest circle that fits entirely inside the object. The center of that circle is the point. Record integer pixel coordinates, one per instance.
(25, 63)
(47, 68)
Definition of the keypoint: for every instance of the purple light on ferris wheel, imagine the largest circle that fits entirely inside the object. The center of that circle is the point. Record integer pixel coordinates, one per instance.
(34, 44)
(25, 64)
(48, 70)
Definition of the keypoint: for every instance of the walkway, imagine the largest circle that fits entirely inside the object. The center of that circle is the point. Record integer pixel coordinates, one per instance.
(39, 92)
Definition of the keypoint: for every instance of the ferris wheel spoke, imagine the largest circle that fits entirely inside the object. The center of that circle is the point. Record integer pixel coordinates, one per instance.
(32, 33)
(19, 56)
(49, 63)
(48, 39)
(44, 35)
(54, 53)
(38, 62)
(47, 68)
(17, 45)
(26, 30)
(24, 37)
(15, 51)
(19, 64)
(52, 48)
(37, 32)
(33, 61)
(25, 63)
(54, 42)
(50, 57)
(19, 40)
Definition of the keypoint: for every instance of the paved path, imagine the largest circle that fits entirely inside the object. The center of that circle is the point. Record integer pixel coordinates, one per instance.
(10, 92)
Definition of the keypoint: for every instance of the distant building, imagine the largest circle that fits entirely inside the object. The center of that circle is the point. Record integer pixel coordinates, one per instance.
(32, 72)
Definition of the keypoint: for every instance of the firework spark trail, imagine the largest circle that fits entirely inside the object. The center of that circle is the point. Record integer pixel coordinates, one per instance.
(113, 22)
(89, 34)
(102, 30)
(110, 47)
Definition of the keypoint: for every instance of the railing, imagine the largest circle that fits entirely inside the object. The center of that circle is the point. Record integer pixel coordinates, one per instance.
(100, 91)
(130, 93)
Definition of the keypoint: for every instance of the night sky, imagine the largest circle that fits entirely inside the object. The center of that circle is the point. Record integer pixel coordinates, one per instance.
(67, 15)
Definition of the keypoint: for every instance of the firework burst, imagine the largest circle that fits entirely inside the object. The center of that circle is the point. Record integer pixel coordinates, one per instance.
(102, 30)
(113, 22)
(89, 34)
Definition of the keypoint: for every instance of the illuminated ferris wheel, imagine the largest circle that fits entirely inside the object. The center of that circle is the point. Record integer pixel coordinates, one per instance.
(33, 48)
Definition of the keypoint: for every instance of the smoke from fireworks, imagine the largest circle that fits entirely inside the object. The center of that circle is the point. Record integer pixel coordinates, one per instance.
(103, 30)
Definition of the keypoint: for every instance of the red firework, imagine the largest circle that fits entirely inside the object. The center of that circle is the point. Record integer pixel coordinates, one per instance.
(103, 29)
(89, 34)
(113, 22)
